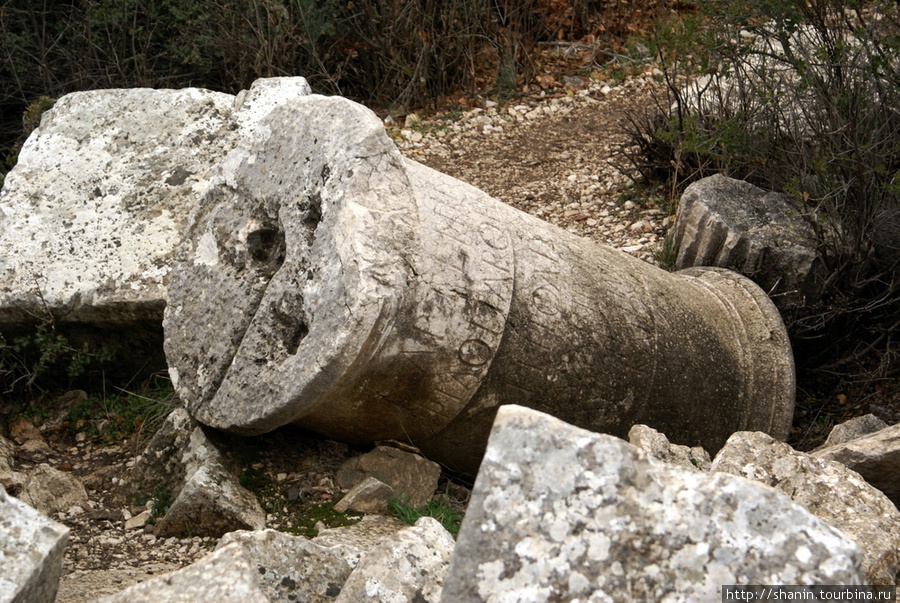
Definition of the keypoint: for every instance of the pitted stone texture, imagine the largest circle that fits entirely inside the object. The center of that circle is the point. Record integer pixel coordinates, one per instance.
(828, 490)
(657, 446)
(368, 496)
(31, 553)
(559, 513)
(876, 457)
(224, 576)
(50, 490)
(408, 474)
(328, 282)
(291, 568)
(852, 429)
(353, 542)
(407, 567)
(207, 499)
(733, 224)
(92, 213)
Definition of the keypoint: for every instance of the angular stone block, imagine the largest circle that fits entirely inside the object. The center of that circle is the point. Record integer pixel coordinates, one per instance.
(410, 475)
(733, 224)
(876, 457)
(207, 499)
(31, 553)
(99, 200)
(559, 514)
(828, 490)
(50, 490)
(408, 566)
(329, 282)
(368, 496)
(224, 576)
(291, 568)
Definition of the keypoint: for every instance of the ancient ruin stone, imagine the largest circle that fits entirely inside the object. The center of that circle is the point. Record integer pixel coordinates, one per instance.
(50, 490)
(828, 490)
(207, 499)
(876, 457)
(559, 514)
(368, 496)
(93, 211)
(291, 568)
(224, 576)
(409, 474)
(852, 429)
(657, 446)
(31, 553)
(733, 224)
(408, 566)
(353, 542)
(327, 281)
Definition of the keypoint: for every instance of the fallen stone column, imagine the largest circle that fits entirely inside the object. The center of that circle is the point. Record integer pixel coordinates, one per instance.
(328, 282)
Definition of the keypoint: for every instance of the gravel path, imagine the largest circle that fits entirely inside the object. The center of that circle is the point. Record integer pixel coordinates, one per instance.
(549, 156)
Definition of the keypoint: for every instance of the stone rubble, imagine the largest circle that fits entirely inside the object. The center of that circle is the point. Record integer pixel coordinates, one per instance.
(560, 513)
(407, 474)
(206, 499)
(829, 490)
(408, 566)
(31, 553)
(875, 456)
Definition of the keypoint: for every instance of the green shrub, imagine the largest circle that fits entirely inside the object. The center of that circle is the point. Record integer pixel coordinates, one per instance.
(798, 96)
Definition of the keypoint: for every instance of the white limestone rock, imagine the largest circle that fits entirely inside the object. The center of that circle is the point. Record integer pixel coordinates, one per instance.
(91, 214)
(732, 224)
(31, 553)
(353, 542)
(407, 567)
(657, 446)
(225, 576)
(560, 513)
(50, 490)
(852, 429)
(876, 457)
(291, 568)
(206, 498)
(827, 489)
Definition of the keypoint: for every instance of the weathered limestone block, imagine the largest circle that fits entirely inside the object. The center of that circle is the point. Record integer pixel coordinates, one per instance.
(226, 575)
(207, 499)
(354, 542)
(407, 567)
(657, 446)
(368, 496)
(50, 490)
(852, 429)
(559, 514)
(828, 490)
(31, 553)
(876, 457)
(408, 474)
(92, 213)
(733, 224)
(291, 568)
(327, 281)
